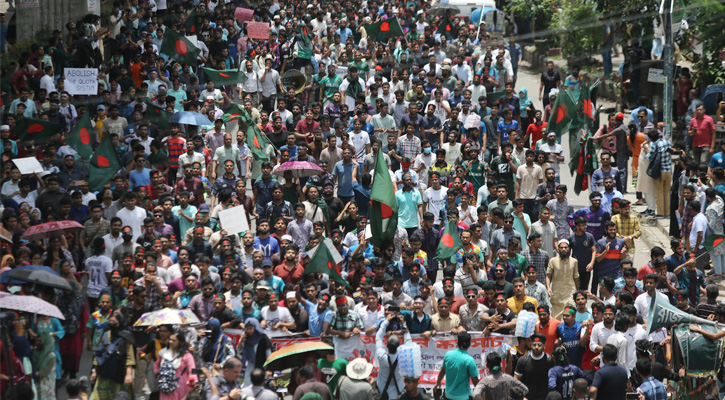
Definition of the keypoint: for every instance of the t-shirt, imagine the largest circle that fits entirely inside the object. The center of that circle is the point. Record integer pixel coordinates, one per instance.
(281, 314)
(504, 174)
(98, 267)
(611, 382)
(359, 141)
(436, 200)
(610, 265)
(460, 368)
(569, 337)
(269, 246)
(332, 371)
(581, 247)
(535, 375)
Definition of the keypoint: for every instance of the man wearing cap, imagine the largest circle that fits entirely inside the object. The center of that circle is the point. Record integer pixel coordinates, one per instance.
(562, 278)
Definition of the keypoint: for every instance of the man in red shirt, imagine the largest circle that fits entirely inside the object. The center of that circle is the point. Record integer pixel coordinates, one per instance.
(290, 271)
(547, 327)
(305, 127)
(535, 132)
(702, 129)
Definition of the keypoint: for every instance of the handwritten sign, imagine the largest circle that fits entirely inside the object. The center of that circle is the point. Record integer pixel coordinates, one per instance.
(83, 81)
(243, 14)
(234, 220)
(258, 30)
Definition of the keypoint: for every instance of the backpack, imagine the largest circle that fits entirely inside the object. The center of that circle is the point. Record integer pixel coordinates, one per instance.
(111, 358)
(71, 324)
(168, 382)
(654, 170)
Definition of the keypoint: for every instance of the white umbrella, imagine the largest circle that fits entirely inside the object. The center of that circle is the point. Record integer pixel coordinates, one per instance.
(30, 304)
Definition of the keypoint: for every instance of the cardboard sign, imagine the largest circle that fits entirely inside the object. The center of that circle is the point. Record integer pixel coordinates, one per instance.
(83, 81)
(243, 14)
(28, 165)
(234, 220)
(258, 30)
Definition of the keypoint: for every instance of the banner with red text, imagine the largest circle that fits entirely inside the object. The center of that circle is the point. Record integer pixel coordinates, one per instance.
(433, 349)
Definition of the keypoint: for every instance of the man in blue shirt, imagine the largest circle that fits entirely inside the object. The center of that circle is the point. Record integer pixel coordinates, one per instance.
(651, 388)
(678, 256)
(263, 241)
(410, 205)
(343, 174)
(569, 333)
(139, 176)
(594, 215)
(459, 369)
(610, 381)
(505, 125)
(320, 316)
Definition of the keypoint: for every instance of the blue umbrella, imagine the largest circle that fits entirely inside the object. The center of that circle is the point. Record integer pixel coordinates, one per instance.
(190, 118)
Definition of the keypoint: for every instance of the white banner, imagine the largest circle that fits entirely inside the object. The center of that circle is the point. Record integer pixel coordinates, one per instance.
(432, 349)
(81, 81)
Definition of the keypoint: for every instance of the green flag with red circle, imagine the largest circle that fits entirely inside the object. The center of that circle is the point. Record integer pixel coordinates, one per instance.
(36, 129)
(450, 242)
(562, 113)
(80, 138)
(223, 77)
(325, 259)
(383, 30)
(179, 48)
(383, 211)
(104, 164)
(236, 112)
(712, 241)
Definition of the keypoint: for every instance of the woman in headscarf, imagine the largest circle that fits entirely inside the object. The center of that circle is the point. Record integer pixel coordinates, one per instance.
(255, 348)
(55, 253)
(215, 347)
(178, 357)
(46, 362)
(526, 109)
(73, 306)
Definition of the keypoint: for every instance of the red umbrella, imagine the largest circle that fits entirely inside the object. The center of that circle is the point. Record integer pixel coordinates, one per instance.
(51, 229)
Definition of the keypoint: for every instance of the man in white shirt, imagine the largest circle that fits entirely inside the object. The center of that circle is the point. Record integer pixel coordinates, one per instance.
(643, 301)
(114, 238)
(46, 82)
(699, 227)
(131, 215)
(602, 331)
(276, 318)
(210, 93)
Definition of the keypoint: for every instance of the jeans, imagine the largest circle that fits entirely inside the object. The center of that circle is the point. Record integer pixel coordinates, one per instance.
(719, 263)
(607, 60)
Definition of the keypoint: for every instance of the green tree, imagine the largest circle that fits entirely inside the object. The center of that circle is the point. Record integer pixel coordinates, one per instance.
(579, 28)
(705, 18)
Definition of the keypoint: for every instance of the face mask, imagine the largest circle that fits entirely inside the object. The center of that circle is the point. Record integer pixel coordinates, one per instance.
(427, 150)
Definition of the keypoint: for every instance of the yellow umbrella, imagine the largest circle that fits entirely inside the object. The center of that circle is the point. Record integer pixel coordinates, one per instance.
(293, 356)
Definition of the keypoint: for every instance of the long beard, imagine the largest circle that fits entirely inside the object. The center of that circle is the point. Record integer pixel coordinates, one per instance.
(564, 254)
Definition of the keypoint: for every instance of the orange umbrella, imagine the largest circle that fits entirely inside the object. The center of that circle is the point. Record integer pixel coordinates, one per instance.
(293, 356)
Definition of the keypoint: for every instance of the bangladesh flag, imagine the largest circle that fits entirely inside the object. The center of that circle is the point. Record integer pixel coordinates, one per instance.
(383, 207)
(586, 164)
(156, 114)
(190, 23)
(383, 30)
(450, 242)
(104, 164)
(305, 34)
(225, 76)
(235, 112)
(35, 129)
(179, 48)
(257, 142)
(712, 241)
(80, 137)
(562, 113)
(325, 259)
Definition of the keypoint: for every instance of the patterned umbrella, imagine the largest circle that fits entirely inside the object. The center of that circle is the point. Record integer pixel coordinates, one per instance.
(168, 316)
(50, 229)
(36, 274)
(30, 304)
(300, 169)
(293, 356)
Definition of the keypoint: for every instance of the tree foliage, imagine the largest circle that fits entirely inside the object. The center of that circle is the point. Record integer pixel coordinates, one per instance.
(579, 28)
(705, 22)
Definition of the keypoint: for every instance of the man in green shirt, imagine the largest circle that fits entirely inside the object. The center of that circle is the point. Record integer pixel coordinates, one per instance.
(330, 84)
(362, 66)
(460, 370)
(475, 169)
(332, 368)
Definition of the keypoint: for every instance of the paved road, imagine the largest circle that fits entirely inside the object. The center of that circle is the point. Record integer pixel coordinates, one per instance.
(529, 80)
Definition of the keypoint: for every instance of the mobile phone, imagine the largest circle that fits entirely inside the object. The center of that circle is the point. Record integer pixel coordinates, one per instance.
(197, 371)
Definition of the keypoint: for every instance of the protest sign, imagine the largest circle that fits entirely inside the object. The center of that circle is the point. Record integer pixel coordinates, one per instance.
(234, 220)
(81, 81)
(243, 14)
(258, 30)
(433, 349)
(28, 165)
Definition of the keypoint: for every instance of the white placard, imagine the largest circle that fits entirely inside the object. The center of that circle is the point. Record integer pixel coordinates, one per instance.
(92, 5)
(28, 165)
(234, 220)
(83, 81)
(656, 75)
(341, 71)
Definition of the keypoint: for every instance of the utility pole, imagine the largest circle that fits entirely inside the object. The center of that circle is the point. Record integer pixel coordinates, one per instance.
(669, 68)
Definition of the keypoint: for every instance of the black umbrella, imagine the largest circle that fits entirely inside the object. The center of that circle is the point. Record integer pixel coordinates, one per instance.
(39, 277)
(441, 10)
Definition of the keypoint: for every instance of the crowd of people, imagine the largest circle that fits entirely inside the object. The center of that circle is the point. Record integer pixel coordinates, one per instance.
(152, 237)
